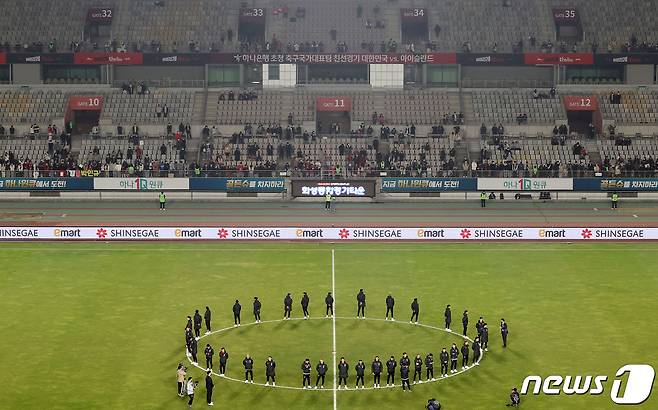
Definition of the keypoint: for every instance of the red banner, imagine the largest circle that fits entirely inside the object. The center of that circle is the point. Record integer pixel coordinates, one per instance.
(559, 58)
(108, 58)
(86, 102)
(334, 104)
(581, 103)
(3, 58)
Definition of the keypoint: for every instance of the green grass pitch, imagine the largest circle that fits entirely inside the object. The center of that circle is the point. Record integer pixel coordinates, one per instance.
(100, 326)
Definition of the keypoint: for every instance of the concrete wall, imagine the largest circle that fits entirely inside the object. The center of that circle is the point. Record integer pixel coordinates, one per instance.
(389, 76)
(287, 76)
(639, 74)
(26, 74)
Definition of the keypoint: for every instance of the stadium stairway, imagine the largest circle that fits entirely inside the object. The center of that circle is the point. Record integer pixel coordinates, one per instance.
(199, 115)
(467, 106)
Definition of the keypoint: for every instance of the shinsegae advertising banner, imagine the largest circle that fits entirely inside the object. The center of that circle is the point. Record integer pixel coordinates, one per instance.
(142, 184)
(525, 184)
(338, 234)
(428, 184)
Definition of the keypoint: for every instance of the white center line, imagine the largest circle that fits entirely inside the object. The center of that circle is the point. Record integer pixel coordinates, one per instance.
(333, 322)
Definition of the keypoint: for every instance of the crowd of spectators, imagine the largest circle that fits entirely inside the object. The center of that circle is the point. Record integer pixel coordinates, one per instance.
(243, 95)
(134, 87)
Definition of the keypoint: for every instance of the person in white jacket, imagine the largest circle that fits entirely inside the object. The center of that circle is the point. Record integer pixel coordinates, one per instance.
(191, 385)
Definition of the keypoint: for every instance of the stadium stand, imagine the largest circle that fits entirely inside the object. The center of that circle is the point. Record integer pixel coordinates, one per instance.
(635, 107)
(504, 105)
(122, 108)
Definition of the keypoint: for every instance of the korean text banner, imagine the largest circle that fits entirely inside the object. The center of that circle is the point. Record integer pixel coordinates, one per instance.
(46, 184)
(428, 184)
(142, 184)
(337, 188)
(238, 184)
(525, 184)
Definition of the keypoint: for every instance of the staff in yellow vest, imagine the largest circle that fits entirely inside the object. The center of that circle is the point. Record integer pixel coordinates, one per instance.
(615, 200)
(163, 201)
(483, 199)
(327, 202)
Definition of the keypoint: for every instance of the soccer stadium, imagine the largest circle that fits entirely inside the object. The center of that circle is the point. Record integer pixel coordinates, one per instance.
(349, 204)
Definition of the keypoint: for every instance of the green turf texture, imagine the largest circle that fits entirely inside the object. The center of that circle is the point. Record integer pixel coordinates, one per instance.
(96, 325)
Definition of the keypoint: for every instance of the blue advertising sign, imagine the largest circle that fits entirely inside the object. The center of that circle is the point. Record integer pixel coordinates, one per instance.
(247, 184)
(616, 184)
(428, 184)
(46, 184)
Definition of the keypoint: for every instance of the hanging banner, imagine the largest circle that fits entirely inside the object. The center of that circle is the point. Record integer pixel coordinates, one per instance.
(108, 58)
(525, 184)
(392, 185)
(559, 58)
(142, 184)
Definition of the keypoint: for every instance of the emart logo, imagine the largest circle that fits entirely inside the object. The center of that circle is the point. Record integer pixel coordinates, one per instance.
(639, 384)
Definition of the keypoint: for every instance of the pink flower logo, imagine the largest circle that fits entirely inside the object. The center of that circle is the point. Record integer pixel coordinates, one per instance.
(101, 233)
(465, 233)
(222, 233)
(344, 233)
(586, 233)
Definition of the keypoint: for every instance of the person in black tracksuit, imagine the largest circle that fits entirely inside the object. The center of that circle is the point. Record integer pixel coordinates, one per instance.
(209, 386)
(343, 370)
(429, 366)
(189, 323)
(197, 323)
(193, 350)
(223, 358)
(329, 300)
(360, 373)
(454, 357)
(418, 369)
(448, 317)
(391, 364)
(287, 306)
(188, 338)
(414, 311)
(306, 374)
(209, 352)
(236, 313)
(361, 304)
(257, 306)
(443, 357)
(304, 303)
(270, 371)
(476, 351)
(504, 331)
(484, 339)
(404, 376)
(465, 322)
(376, 368)
(465, 351)
(405, 360)
(248, 364)
(321, 368)
(390, 303)
(479, 325)
(207, 316)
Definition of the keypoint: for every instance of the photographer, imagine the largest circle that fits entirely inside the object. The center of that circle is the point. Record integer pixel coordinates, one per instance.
(515, 398)
(433, 404)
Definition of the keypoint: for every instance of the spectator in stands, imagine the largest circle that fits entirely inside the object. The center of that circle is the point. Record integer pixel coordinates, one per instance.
(165, 111)
(231, 95)
(169, 128)
(95, 131)
(158, 110)
(437, 30)
(552, 92)
(2, 130)
(591, 130)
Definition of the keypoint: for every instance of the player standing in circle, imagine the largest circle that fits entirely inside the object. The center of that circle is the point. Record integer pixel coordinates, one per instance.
(476, 351)
(504, 331)
(360, 373)
(329, 300)
(321, 368)
(414, 311)
(197, 324)
(287, 307)
(257, 306)
(163, 201)
(465, 351)
(418, 369)
(223, 358)
(376, 368)
(209, 387)
(454, 357)
(343, 372)
(448, 317)
(465, 321)
(209, 352)
(443, 357)
(361, 304)
(207, 316)
(391, 364)
(429, 367)
(484, 339)
(404, 376)
(390, 304)
(236, 313)
(304, 303)
(270, 371)
(306, 374)
(248, 364)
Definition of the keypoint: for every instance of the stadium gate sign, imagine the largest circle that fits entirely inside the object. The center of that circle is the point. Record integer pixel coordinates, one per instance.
(340, 234)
